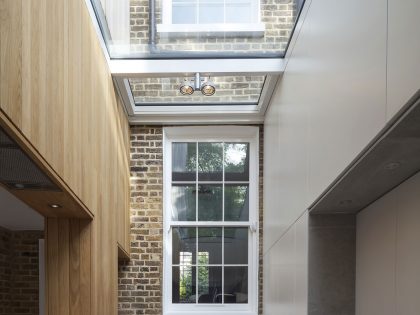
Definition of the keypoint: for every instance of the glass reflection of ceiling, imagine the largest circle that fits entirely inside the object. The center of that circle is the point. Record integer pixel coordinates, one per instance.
(197, 29)
(230, 90)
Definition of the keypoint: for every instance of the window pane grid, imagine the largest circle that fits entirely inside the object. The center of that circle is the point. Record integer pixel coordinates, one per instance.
(220, 10)
(187, 267)
(209, 284)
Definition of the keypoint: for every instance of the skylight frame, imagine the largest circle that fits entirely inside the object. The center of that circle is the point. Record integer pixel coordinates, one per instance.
(173, 113)
(131, 68)
(122, 54)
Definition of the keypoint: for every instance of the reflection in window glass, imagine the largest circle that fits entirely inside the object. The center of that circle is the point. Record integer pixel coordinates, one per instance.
(210, 161)
(183, 12)
(184, 161)
(239, 11)
(210, 203)
(209, 285)
(236, 203)
(236, 246)
(210, 246)
(183, 242)
(183, 284)
(210, 263)
(236, 161)
(210, 12)
(236, 285)
(164, 91)
(183, 202)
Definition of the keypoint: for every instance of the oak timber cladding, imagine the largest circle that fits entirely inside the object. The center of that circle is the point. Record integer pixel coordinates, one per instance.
(57, 90)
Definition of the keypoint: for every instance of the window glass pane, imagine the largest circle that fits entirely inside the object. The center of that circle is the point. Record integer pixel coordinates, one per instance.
(183, 245)
(236, 203)
(210, 203)
(209, 246)
(238, 11)
(165, 91)
(236, 246)
(236, 285)
(183, 202)
(236, 161)
(183, 161)
(210, 159)
(184, 12)
(183, 284)
(210, 11)
(209, 284)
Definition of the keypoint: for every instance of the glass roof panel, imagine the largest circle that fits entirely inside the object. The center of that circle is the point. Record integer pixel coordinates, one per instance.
(230, 90)
(197, 29)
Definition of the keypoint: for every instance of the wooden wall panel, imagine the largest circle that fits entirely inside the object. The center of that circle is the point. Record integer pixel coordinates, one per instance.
(57, 90)
(69, 266)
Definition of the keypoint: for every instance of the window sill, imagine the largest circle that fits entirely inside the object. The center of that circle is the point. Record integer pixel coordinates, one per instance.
(214, 30)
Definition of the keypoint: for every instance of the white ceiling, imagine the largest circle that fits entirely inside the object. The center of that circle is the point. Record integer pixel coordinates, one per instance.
(15, 215)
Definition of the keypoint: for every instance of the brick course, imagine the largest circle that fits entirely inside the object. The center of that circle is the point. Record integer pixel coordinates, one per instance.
(140, 279)
(19, 269)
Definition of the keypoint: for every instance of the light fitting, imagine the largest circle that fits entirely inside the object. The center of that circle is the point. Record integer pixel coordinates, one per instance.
(188, 87)
(345, 203)
(208, 89)
(55, 206)
(392, 166)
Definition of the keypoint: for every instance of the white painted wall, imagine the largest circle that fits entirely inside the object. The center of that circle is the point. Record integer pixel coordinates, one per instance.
(348, 72)
(285, 270)
(388, 255)
(329, 104)
(403, 52)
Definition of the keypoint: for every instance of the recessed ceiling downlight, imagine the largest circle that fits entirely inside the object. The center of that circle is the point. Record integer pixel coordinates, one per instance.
(55, 206)
(19, 186)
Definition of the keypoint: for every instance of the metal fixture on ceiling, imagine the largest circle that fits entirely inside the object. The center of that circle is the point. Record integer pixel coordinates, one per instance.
(188, 87)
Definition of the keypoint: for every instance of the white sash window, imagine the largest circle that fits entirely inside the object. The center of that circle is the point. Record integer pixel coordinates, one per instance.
(211, 220)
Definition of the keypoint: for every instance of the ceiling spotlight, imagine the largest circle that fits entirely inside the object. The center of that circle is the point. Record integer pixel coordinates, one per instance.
(208, 88)
(392, 166)
(18, 186)
(345, 203)
(54, 206)
(186, 88)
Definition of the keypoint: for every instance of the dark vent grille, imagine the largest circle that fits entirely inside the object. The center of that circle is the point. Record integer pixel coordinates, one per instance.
(17, 171)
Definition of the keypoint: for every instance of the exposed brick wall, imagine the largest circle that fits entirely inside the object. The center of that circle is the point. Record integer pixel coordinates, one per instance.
(231, 89)
(140, 279)
(19, 266)
(5, 272)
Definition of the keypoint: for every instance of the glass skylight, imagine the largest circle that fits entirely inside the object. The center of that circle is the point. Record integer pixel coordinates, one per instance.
(197, 29)
(230, 90)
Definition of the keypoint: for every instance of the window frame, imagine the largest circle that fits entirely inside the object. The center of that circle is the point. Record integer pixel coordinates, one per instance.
(248, 134)
(252, 28)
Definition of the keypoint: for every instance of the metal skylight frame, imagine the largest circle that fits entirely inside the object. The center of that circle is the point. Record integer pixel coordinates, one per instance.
(123, 69)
